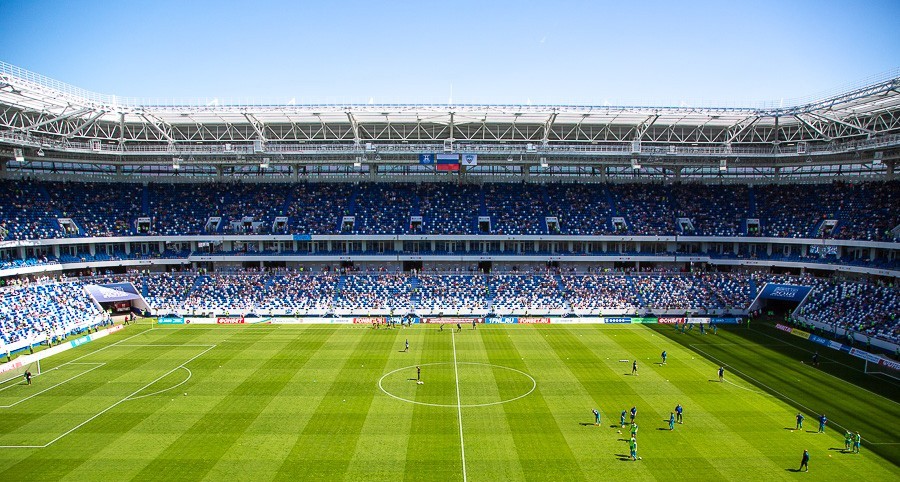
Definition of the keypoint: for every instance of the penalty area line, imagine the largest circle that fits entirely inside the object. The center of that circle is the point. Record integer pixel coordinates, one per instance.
(114, 405)
(778, 394)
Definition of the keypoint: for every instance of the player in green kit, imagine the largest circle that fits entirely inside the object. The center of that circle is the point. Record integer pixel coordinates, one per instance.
(596, 416)
(632, 444)
(848, 440)
(856, 440)
(634, 429)
(671, 420)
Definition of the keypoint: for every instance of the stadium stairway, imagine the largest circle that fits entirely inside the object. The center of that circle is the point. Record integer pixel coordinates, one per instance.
(751, 202)
(197, 282)
(613, 208)
(145, 200)
(634, 289)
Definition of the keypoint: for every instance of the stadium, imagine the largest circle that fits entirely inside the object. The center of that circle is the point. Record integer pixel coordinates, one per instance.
(365, 291)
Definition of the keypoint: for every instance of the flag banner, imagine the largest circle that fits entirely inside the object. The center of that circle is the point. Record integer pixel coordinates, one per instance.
(469, 160)
(427, 159)
(447, 162)
(112, 292)
(784, 292)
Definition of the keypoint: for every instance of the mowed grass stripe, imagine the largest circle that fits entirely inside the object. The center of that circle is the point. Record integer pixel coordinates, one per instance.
(43, 418)
(267, 441)
(323, 449)
(648, 391)
(380, 450)
(102, 431)
(812, 388)
(228, 404)
(542, 449)
(433, 450)
(490, 446)
(773, 369)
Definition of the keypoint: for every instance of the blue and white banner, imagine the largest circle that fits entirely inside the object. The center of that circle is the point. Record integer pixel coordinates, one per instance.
(470, 160)
(170, 320)
(427, 159)
(617, 320)
(112, 292)
(784, 292)
(505, 320)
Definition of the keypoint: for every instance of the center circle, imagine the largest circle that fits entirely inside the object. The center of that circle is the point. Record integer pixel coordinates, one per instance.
(479, 384)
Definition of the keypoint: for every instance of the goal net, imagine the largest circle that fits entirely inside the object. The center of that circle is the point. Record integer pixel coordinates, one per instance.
(883, 367)
(16, 371)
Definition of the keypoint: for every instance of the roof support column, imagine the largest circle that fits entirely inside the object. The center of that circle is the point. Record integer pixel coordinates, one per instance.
(677, 171)
(889, 175)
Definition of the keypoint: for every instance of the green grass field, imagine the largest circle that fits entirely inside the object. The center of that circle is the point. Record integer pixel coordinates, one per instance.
(497, 403)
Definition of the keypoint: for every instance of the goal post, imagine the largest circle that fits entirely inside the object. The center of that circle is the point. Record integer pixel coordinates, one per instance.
(890, 369)
(16, 370)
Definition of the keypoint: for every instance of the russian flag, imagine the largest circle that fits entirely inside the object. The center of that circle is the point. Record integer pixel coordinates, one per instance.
(447, 162)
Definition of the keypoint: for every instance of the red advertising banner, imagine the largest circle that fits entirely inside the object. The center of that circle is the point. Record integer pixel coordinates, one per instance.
(452, 320)
(670, 321)
(368, 321)
(531, 321)
(229, 321)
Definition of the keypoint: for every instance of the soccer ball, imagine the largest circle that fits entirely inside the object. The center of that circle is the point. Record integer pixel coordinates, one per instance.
(185, 394)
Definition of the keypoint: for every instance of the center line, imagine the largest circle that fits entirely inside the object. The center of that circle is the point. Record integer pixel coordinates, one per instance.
(462, 445)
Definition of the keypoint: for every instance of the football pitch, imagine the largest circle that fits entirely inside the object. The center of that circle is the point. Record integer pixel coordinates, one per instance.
(330, 402)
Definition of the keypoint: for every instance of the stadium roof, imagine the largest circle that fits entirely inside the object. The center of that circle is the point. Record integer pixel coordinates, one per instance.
(43, 113)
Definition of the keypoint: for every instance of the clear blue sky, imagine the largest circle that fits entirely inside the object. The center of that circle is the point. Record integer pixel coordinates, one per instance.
(648, 52)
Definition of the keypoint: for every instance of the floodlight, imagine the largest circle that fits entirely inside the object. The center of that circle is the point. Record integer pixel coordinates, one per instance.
(264, 164)
(544, 164)
(635, 164)
(723, 165)
(19, 155)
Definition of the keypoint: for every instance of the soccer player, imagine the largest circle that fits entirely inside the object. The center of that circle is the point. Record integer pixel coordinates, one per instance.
(27, 377)
(634, 429)
(622, 419)
(822, 421)
(848, 440)
(671, 420)
(664, 357)
(418, 373)
(634, 369)
(633, 413)
(804, 462)
(799, 420)
(678, 410)
(458, 328)
(407, 345)
(856, 440)
(596, 416)
(715, 328)
(473, 324)
(816, 359)
(632, 444)
(721, 374)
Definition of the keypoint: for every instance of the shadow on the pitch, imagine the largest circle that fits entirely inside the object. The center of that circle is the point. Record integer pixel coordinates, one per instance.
(793, 470)
(838, 449)
(412, 379)
(624, 458)
(585, 424)
(613, 426)
(790, 428)
(662, 428)
(659, 363)
(812, 431)
(624, 440)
